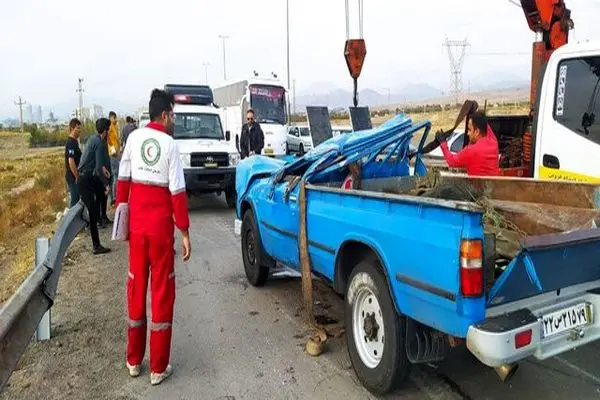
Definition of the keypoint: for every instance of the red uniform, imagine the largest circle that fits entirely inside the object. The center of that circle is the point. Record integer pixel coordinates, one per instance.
(151, 180)
(479, 159)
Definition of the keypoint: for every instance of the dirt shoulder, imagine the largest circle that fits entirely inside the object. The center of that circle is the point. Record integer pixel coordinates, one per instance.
(87, 349)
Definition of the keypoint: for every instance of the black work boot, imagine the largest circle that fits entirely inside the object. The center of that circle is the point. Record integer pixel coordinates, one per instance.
(100, 250)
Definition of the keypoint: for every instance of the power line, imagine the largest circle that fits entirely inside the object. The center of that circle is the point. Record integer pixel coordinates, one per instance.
(80, 90)
(456, 63)
(21, 103)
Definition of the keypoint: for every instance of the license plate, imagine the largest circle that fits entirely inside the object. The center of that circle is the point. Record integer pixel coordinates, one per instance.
(268, 151)
(211, 165)
(567, 318)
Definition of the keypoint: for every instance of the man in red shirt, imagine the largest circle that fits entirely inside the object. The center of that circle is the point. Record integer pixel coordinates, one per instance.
(151, 180)
(480, 156)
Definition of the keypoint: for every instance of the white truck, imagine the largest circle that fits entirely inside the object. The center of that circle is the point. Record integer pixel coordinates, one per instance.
(268, 97)
(208, 156)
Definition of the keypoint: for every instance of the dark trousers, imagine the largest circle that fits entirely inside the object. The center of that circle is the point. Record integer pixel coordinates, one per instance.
(87, 190)
(73, 193)
(101, 199)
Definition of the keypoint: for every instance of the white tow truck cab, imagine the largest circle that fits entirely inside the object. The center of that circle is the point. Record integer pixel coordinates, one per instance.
(208, 156)
(268, 97)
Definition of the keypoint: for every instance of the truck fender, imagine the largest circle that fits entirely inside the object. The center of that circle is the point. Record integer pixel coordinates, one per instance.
(354, 249)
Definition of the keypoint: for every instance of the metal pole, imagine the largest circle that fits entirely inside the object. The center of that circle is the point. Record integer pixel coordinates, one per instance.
(205, 65)
(20, 103)
(287, 10)
(223, 38)
(42, 244)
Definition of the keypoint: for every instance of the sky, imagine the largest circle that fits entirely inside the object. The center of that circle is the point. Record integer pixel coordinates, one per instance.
(124, 48)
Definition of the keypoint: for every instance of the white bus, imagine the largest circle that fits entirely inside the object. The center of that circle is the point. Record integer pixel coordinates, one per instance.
(268, 98)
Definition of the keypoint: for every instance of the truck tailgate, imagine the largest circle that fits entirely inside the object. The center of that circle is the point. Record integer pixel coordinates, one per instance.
(548, 263)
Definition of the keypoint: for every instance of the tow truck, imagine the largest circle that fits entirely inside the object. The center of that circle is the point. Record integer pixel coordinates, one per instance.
(208, 156)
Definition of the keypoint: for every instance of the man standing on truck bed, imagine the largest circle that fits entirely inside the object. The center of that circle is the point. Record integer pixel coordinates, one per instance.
(480, 156)
(151, 180)
(252, 139)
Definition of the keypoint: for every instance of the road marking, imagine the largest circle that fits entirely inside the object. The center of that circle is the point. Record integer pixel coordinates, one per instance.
(579, 370)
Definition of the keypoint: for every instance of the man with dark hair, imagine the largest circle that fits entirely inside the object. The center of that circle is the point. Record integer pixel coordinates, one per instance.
(114, 151)
(127, 129)
(91, 170)
(151, 181)
(252, 139)
(480, 156)
(72, 157)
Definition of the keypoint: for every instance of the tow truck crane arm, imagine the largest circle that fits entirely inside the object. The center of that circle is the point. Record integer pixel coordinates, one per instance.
(551, 21)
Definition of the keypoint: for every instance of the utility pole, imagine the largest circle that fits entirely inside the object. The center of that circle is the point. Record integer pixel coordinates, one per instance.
(456, 64)
(223, 38)
(80, 90)
(287, 12)
(205, 64)
(294, 94)
(21, 103)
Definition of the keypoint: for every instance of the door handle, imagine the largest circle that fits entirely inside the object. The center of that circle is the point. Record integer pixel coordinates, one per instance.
(550, 161)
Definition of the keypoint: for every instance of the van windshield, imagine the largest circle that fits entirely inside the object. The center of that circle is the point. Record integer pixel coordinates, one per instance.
(197, 126)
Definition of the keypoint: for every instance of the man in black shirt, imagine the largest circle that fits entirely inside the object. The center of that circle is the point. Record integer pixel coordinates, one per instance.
(91, 170)
(252, 139)
(72, 157)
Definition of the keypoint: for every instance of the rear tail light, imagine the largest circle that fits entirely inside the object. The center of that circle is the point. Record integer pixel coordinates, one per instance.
(182, 98)
(523, 339)
(471, 268)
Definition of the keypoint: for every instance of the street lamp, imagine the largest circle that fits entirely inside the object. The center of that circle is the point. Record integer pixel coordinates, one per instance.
(205, 64)
(223, 38)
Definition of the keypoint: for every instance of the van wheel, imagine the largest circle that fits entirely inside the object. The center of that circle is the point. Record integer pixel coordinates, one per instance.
(375, 334)
(257, 271)
(287, 149)
(231, 198)
(301, 149)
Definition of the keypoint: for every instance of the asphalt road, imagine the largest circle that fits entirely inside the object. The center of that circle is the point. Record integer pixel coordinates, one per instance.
(234, 341)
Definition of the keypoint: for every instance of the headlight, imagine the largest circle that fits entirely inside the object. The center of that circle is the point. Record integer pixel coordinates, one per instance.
(185, 160)
(234, 159)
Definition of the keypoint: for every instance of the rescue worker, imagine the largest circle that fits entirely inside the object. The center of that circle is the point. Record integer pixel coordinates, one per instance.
(114, 151)
(480, 156)
(151, 180)
(92, 171)
(252, 139)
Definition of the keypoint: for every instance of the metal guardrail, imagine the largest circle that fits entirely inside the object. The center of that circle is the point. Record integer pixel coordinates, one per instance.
(23, 312)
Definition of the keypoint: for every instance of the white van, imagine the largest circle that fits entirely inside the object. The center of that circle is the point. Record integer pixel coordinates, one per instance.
(208, 155)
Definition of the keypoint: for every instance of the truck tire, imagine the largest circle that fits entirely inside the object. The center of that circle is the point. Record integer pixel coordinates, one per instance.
(252, 252)
(375, 333)
(230, 198)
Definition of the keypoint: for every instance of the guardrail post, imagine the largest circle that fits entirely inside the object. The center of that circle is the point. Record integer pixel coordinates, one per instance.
(42, 244)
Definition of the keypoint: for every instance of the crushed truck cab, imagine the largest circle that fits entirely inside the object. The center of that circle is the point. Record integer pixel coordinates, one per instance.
(511, 266)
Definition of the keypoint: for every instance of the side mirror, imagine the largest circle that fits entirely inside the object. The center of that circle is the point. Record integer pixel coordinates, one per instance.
(227, 136)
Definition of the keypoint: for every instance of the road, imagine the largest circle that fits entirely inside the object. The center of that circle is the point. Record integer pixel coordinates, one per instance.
(234, 341)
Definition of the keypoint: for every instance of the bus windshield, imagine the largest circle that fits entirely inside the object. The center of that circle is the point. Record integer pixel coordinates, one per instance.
(268, 103)
(197, 126)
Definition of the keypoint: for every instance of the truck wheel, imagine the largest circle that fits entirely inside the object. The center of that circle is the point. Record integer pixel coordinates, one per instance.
(230, 198)
(375, 334)
(252, 251)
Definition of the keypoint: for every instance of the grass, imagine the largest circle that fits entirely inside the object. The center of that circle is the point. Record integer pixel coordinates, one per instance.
(32, 191)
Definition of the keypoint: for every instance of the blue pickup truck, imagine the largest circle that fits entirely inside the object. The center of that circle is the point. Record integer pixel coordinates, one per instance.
(419, 273)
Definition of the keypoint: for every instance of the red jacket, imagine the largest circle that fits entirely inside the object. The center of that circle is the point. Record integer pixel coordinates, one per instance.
(151, 180)
(479, 159)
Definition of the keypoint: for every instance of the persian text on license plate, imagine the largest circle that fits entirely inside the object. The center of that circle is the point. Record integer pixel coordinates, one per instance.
(268, 151)
(211, 165)
(567, 318)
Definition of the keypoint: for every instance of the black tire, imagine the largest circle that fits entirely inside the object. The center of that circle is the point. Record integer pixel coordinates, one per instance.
(231, 198)
(287, 149)
(301, 149)
(257, 271)
(393, 367)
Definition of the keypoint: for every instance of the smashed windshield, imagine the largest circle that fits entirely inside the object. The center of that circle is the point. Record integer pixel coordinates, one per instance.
(197, 126)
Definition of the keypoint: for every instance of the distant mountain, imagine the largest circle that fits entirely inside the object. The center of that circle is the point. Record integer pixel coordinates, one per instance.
(337, 98)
